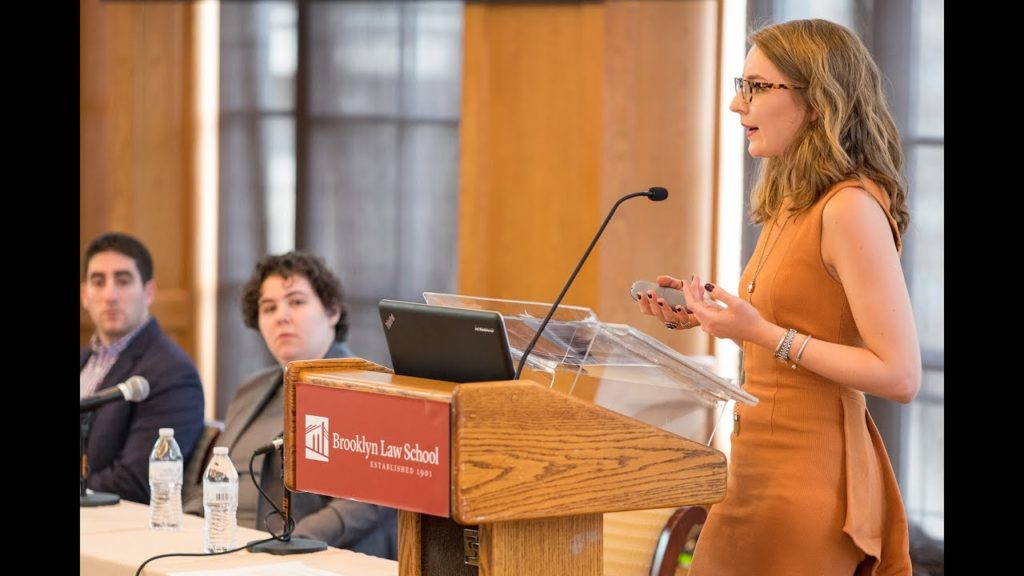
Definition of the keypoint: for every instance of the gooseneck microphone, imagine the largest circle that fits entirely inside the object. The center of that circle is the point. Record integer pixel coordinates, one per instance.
(134, 389)
(655, 194)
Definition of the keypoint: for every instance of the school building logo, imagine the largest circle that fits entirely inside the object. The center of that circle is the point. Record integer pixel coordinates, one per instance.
(317, 439)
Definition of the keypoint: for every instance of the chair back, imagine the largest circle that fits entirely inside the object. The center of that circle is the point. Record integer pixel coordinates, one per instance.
(192, 478)
(649, 542)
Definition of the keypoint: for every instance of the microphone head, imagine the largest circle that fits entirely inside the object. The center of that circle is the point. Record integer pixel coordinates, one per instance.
(135, 389)
(274, 444)
(657, 194)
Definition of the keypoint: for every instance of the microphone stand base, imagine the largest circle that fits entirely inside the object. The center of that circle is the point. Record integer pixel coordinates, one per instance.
(97, 499)
(291, 546)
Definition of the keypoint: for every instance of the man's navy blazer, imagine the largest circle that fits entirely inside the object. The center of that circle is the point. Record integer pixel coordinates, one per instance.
(123, 433)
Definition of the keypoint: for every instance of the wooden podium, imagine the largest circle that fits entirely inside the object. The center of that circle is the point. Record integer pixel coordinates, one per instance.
(531, 471)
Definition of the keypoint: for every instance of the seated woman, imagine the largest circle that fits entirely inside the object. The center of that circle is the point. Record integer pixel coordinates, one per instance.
(298, 306)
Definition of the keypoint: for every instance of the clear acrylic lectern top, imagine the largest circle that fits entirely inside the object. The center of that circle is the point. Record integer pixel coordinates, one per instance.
(612, 365)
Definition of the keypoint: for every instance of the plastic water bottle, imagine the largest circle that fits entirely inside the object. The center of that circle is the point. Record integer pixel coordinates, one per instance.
(220, 502)
(165, 470)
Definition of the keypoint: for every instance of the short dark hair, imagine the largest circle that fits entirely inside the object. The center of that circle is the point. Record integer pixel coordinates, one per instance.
(122, 243)
(326, 285)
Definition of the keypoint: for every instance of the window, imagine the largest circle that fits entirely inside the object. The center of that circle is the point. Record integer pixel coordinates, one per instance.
(924, 444)
(380, 198)
(339, 135)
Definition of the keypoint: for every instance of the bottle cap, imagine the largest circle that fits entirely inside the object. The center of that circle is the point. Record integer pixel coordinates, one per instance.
(167, 431)
(220, 450)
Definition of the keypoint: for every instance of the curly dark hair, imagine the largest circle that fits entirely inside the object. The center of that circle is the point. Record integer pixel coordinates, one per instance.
(326, 285)
(121, 243)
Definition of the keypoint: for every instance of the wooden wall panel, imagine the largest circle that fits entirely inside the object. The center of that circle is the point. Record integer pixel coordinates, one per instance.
(530, 148)
(566, 108)
(136, 118)
(659, 131)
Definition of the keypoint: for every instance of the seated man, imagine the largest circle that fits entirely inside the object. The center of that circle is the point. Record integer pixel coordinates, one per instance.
(117, 290)
(298, 306)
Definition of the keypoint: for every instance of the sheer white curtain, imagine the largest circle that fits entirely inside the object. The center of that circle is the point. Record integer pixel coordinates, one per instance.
(339, 135)
(256, 130)
(382, 197)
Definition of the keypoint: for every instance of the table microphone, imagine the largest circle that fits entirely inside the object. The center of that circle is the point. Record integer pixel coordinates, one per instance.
(656, 194)
(287, 544)
(134, 389)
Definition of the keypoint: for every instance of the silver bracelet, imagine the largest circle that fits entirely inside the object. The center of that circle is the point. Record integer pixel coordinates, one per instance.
(782, 352)
(800, 352)
(779, 345)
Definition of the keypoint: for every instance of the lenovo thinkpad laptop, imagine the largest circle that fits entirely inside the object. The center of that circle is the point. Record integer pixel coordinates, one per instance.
(446, 343)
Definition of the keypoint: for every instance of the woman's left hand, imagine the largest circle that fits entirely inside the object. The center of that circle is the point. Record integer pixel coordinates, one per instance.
(721, 314)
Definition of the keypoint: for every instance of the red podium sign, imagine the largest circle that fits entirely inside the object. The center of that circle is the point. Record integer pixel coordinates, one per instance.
(388, 450)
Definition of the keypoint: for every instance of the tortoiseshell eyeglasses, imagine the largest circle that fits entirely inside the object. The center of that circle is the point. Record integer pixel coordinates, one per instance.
(749, 87)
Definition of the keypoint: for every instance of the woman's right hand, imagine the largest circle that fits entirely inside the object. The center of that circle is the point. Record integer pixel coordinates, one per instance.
(657, 307)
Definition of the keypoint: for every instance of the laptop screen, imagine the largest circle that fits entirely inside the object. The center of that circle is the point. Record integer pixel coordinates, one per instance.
(444, 343)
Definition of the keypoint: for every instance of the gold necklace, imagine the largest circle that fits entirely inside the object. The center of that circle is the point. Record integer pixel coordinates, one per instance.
(764, 255)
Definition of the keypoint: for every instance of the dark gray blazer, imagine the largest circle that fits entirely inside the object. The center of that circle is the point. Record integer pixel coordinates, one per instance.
(341, 523)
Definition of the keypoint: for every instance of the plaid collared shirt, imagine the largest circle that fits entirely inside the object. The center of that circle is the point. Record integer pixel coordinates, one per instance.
(101, 360)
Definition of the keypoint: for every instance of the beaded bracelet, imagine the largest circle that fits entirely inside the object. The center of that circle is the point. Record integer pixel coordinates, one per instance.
(782, 351)
(800, 352)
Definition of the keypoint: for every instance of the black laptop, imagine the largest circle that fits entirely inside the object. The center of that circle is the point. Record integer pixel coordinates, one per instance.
(444, 343)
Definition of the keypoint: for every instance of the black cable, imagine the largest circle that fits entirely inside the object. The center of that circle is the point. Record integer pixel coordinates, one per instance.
(286, 535)
(287, 529)
(143, 565)
(281, 538)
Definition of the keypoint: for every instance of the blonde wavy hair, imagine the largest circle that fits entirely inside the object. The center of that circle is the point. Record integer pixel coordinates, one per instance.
(853, 135)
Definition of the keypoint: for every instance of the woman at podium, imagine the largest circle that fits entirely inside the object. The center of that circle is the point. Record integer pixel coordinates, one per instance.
(823, 316)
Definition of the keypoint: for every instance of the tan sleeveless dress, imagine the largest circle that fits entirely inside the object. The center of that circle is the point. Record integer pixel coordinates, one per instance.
(810, 487)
